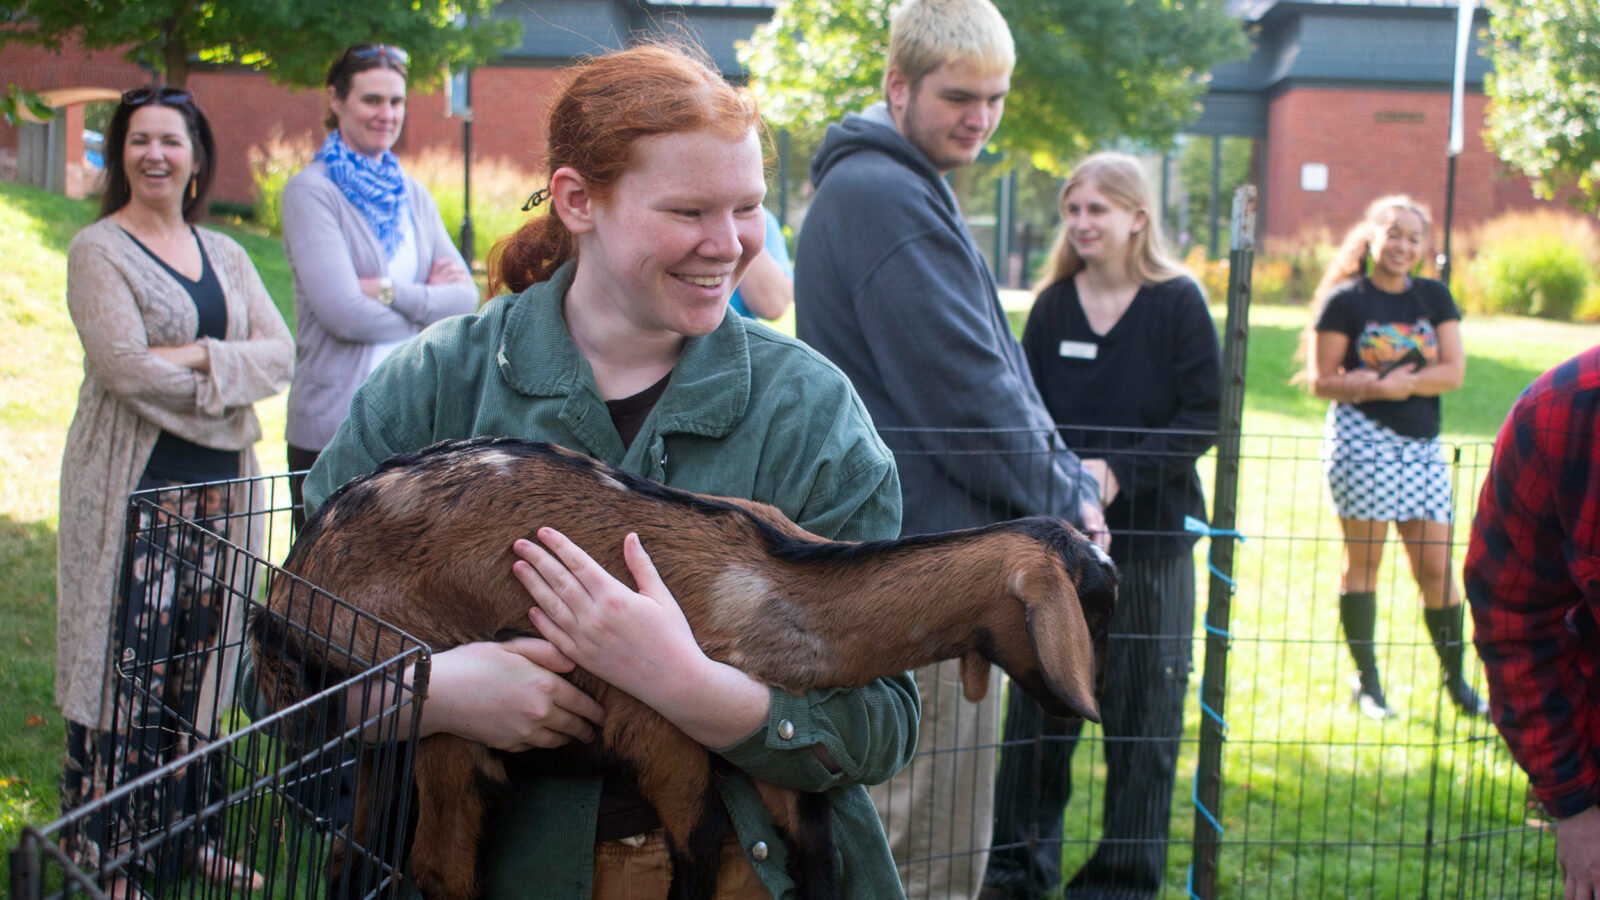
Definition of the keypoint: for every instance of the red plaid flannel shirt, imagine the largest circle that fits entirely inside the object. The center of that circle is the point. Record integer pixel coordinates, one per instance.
(1533, 579)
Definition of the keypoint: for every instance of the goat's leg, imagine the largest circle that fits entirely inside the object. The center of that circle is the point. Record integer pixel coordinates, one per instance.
(806, 823)
(452, 774)
(674, 774)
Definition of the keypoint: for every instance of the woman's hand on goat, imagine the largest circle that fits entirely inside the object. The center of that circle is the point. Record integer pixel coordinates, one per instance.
(638, 641)
(508, 695)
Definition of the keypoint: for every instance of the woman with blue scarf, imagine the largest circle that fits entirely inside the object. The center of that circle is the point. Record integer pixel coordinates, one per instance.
(372, 262)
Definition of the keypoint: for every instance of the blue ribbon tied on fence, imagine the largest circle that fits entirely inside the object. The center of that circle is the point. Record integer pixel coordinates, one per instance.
(1191, 524)
(1196, 526)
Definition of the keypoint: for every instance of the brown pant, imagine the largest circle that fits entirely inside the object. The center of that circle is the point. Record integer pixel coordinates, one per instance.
(623, 871)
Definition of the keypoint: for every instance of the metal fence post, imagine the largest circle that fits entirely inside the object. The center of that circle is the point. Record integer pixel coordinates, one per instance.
(1224, 515)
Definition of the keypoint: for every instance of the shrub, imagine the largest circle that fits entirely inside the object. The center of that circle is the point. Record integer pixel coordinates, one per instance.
(498, 191)
(498, 188)
(1532, 264)
(1305, 259)
(271, 167)
(1212, 274)
(1589, 308)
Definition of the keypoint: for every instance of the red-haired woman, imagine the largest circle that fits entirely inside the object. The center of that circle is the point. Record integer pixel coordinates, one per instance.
(616, 340)
(1386, 345)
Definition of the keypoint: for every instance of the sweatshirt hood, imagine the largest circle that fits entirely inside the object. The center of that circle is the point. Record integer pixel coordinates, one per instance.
(873, 130)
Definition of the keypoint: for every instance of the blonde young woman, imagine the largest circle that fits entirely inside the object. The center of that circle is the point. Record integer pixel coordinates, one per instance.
(1122, 346)
(1384, 345)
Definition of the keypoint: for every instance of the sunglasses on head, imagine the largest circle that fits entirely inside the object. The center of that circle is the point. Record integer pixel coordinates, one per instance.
(375, 51)
(141, 96)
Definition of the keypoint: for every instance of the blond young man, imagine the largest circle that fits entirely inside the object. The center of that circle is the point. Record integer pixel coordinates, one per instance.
(890, 286)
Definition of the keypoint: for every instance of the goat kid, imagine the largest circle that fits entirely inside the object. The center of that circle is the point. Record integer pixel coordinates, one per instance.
(424, 543)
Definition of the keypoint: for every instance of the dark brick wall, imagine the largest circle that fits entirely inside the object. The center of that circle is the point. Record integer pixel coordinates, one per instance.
(1377, 142)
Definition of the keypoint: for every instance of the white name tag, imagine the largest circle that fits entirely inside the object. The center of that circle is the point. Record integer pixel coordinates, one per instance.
(1080, 349)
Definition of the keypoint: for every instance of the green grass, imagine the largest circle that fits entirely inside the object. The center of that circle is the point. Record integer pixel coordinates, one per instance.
(1316, 801)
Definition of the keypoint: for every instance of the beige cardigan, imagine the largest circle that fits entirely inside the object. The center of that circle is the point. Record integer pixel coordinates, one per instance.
(122, 303)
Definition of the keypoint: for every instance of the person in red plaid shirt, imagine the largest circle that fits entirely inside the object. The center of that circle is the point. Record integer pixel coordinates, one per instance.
(1533, 580)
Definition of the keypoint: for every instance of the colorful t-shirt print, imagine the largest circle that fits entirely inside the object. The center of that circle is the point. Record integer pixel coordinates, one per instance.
(1382, 344)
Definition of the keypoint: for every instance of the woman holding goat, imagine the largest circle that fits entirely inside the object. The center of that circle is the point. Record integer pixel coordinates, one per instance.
(616, 341)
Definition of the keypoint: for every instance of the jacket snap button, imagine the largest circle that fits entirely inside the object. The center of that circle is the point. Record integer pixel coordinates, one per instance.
(786, 729)
(759, 851)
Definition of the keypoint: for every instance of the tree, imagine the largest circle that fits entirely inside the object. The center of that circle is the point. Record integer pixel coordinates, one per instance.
(293, 41)
(1545, 88)
(15, 102)
(1089, 72)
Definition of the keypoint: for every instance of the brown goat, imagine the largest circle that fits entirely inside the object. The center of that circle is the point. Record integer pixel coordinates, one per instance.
(424, 543)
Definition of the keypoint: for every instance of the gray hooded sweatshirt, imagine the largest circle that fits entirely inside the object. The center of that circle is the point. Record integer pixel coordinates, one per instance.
(890, 286)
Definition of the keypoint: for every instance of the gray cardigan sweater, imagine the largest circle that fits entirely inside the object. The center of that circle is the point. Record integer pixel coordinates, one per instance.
(330, 248)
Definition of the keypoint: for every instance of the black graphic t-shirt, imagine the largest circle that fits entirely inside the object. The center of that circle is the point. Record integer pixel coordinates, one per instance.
(1382, 328)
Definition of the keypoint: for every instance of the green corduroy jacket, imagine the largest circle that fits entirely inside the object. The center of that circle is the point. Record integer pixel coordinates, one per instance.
(748, 412)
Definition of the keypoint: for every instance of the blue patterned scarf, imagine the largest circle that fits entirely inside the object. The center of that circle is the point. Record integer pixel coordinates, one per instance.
(376, 187)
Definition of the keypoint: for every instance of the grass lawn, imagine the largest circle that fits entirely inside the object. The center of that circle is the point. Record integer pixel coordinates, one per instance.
(1315, 800)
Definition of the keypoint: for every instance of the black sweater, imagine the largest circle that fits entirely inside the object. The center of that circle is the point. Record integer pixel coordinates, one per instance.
(1159, 367)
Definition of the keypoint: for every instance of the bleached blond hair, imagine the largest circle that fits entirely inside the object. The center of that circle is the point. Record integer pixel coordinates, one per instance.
(926, 34)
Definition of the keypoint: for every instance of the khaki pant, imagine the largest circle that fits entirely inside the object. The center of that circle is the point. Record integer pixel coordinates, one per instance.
(939, 811)
(635, 869)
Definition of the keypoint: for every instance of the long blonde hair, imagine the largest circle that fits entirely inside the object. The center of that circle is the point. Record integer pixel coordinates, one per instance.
(1121, 178)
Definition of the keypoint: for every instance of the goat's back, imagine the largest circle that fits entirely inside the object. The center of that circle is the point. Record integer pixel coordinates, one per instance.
(440, 522)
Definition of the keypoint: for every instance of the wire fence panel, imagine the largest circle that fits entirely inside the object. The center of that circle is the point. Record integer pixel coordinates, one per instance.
(1320, 800)
(184, 794)
(1316, 799)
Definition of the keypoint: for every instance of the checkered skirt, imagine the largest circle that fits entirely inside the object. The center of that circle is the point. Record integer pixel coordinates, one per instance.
(1377, 474)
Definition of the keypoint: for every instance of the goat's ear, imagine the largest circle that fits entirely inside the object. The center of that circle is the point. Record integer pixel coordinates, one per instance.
(974, 676)
(1066, 648)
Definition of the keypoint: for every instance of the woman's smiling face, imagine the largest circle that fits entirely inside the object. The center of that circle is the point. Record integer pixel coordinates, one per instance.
(371, 114)
(673, 239)
(158, 156)
(1398, 247)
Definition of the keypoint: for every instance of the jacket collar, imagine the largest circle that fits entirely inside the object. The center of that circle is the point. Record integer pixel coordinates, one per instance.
(710, 386)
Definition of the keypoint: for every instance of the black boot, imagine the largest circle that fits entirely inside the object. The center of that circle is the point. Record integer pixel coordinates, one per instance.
(1358, 613)
(1445, 627)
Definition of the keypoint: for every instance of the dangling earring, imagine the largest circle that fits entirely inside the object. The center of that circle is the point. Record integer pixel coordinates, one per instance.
(194, 188)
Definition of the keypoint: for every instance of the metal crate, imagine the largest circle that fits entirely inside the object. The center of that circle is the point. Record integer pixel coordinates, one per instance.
(272, 792)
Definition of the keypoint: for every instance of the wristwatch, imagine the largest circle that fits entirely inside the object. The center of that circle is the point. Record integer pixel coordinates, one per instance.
(386, 291)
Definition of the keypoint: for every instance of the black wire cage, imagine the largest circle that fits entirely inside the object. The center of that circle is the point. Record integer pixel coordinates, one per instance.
(198, 785)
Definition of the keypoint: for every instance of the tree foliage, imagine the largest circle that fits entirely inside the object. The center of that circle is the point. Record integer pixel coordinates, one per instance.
(1545, 118)
(1089, 72)
(292, 41)
(15, 102)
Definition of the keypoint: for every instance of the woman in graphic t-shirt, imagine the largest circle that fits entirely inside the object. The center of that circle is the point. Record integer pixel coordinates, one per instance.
(1385, 345)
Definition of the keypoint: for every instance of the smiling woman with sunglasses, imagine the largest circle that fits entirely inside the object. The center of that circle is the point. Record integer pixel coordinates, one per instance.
(179, 340)
(372, 262)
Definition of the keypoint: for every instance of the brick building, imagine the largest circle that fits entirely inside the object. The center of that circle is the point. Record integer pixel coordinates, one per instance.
(1349, 101)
